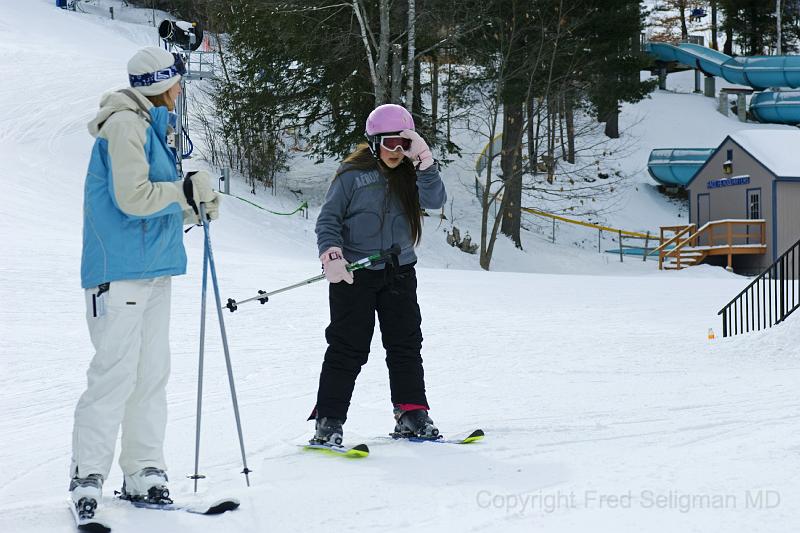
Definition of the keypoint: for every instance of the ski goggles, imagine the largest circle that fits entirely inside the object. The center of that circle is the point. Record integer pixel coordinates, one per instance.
(395, 142)
(149, 78)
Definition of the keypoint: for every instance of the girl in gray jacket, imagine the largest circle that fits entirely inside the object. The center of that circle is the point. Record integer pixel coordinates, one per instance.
(376, 201)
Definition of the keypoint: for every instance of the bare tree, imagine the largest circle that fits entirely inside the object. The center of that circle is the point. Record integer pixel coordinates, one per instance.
(484, 120)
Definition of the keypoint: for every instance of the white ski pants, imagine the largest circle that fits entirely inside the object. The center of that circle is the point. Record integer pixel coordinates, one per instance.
(127, 378)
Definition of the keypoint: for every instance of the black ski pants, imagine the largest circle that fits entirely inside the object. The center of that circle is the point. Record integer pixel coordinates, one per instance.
(392, 293)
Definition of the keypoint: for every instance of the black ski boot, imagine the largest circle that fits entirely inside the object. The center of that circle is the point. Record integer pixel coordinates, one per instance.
(415, 423)
(328, 431)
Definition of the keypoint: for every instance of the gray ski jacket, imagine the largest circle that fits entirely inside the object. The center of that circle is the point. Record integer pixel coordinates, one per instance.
(362, 218)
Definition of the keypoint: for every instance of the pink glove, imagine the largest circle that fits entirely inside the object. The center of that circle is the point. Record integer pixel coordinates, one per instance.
(335, 266)
(419, 153)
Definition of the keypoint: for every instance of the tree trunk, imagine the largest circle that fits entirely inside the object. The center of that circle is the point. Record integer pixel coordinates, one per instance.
(488, 239)
(535, 160)
(714, 28)
(682, 11)
(448, 104)
(612, 123)
(779, 28)
(530, 133)
(416, 109)
(434, 92)
(755, 38)
(382, 68)
(728, 47)
(410, 62)
(511, 165)
(550, 160)
(569, 111)
(561, 120)
(397, 73)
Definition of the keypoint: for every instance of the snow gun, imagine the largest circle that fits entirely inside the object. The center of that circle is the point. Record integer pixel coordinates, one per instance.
(384, 256)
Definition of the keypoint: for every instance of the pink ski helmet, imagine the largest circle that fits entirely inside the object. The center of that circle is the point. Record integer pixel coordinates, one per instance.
(389, 118)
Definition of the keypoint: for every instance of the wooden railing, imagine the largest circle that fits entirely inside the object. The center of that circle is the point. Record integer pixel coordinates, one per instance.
(679, 231)
(692, 249)
(768, 300)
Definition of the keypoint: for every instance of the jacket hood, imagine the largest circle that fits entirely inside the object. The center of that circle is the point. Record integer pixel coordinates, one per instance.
(113, 102)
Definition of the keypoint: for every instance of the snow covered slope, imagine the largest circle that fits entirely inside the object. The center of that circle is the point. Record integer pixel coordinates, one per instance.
(605, 406)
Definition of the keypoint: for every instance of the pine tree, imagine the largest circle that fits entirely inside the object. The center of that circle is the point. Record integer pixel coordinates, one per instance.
(612, 32)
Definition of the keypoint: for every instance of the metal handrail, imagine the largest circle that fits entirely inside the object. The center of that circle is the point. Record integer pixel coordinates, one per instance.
(748, 316)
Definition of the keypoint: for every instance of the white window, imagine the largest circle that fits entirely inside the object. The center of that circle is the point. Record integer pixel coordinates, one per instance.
(754, 203)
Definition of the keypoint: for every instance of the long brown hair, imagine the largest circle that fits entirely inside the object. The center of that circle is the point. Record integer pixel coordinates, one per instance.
(402, 184)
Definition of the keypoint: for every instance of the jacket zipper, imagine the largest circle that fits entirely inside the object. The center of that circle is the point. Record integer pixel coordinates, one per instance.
(385, 209)
(144, 235)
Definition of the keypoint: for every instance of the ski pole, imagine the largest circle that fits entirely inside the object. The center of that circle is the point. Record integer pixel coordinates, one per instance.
(210, 258)
(197, 475)
(383, 256)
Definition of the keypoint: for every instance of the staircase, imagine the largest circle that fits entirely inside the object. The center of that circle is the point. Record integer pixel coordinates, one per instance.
(684, 246)
(684, 258)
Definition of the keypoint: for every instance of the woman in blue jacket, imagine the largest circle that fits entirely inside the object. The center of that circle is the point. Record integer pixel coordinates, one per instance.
(376, 201)
(135, 205)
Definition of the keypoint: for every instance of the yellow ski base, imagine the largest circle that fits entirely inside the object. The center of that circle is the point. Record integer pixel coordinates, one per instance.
(472, 438)
(356, 452)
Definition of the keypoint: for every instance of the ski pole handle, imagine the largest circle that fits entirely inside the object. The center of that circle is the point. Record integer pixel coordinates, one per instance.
(381, 257)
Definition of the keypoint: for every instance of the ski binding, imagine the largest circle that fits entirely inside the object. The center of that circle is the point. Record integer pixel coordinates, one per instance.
(474, 436)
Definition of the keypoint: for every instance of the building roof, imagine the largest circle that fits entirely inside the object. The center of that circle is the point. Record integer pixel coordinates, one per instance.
(778, 150)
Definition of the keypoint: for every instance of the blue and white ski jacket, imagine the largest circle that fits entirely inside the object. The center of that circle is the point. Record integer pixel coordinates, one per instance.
(133, 196)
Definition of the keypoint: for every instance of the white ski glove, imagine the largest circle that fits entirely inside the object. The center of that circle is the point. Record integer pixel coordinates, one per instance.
(334, 266)
(419, 153)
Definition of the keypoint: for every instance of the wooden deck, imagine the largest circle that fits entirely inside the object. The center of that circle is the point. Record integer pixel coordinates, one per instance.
(685, 246)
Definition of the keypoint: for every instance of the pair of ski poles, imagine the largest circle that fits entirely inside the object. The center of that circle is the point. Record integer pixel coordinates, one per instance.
(208, 265)
(385, 256)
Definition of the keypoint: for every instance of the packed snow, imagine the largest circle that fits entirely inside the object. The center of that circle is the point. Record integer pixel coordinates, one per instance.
(606, 406)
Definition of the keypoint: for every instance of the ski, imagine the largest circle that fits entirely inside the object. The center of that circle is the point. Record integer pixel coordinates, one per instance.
(85, 519)
(474, 436)
(207, 508)
(356, 452)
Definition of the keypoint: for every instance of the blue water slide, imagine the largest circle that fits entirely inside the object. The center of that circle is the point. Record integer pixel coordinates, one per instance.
(675, 167)
(759, 72)
(780, 107)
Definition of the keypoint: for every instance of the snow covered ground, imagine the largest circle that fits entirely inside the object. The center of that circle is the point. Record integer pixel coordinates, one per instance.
(606, 408)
